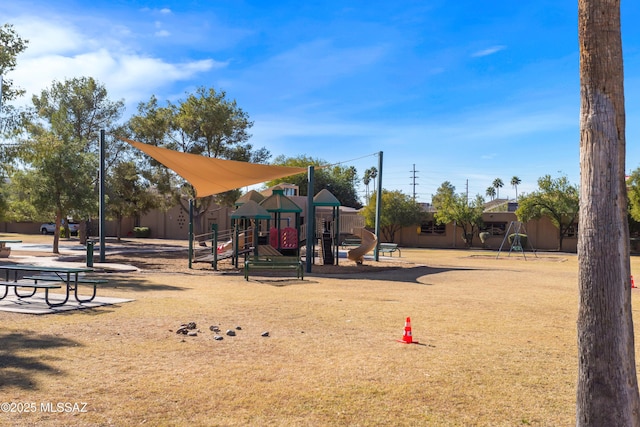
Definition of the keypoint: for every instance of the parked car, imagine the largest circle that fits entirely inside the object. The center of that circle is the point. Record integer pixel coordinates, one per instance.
(50, 227)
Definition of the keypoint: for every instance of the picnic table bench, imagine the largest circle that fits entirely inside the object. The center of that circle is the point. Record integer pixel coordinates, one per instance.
(271, 262)
(390, 248)
(79, 281)
(29, 284)
(47, 278)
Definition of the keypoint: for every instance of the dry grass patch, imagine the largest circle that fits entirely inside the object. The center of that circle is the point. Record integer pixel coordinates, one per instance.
(497, 347)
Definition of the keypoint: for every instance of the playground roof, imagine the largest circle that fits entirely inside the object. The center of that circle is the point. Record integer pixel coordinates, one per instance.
(251, 195)
(325, 198)
(278, 202)
(251, 209)
(211, 176)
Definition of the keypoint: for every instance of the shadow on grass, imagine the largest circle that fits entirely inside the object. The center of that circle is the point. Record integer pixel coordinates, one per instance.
(134, 284)
(396, 274)
(18, 369)
(279, 281)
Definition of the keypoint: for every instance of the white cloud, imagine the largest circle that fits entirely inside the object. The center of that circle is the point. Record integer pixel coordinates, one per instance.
(131, 77)
(45, 37)
(488, 51)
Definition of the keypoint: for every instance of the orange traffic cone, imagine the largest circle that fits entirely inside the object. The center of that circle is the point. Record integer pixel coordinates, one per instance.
(633, 284)
(407, 338)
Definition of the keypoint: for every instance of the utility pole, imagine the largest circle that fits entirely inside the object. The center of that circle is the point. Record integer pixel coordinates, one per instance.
(413, 181)
(467, 191)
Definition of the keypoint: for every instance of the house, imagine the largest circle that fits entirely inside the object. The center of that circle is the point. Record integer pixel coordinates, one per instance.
(498, 216)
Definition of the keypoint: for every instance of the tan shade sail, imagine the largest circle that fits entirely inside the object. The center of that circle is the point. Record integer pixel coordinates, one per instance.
(212, 176)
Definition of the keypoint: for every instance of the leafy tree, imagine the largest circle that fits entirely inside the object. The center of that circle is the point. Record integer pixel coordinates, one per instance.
(633, 191)
(11, 46)
(515, 181)
(491, 192)
(556, 199)
(498, 184)
(60, 147)
(398, 211)
(129, 195)
(607, 386)
(445, 191)
(451, 207)
(56, 184)
(339, 180)
(205, 123)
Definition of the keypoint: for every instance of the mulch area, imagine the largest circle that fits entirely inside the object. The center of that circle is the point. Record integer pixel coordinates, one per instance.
(179, 262)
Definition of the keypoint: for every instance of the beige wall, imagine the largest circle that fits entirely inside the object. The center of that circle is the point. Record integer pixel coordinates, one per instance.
(542, 233)
(174, 224)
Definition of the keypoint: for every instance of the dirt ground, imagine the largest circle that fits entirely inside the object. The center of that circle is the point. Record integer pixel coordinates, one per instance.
(495, 343)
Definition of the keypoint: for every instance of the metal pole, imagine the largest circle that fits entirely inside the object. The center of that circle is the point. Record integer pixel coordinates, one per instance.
(311, 218)
(102, 198)
(376, 253)
(190, 232)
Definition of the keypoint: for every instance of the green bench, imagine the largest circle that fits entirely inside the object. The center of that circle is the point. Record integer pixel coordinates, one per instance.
(390, 248)
(273, 262)
(350, 242)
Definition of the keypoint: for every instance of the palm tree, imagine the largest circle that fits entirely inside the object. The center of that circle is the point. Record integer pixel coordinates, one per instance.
(515, 181)
(366, 179)
(373, 173)
(498, 184)
(607, 386)
(491, 192)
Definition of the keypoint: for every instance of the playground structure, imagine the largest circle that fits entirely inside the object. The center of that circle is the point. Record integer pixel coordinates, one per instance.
(369, 243)
(518, 233)
(272, 226)
(223, 175)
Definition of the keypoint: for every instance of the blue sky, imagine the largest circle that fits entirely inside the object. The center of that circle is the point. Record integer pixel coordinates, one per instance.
(464, 91)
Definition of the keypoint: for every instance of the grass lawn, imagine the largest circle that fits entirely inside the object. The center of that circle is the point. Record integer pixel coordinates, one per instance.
(496, 347)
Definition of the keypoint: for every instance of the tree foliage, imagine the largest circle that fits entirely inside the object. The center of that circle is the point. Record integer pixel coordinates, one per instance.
(497, 184)
(398, 211)
(59, 149)
(339, 180)
(128, 193)
(11, 46)
(370, 174)
(515, 181)
(633, 191)
(491, 192)
(205, 123)
(451, 207)
(445, 191)
(556, 199)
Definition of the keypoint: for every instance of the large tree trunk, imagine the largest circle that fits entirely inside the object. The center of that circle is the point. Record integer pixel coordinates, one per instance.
(607, 391)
